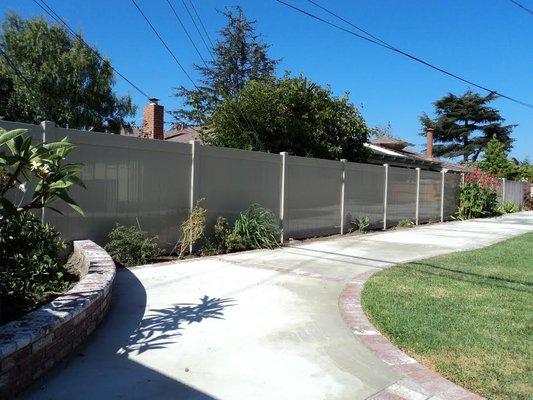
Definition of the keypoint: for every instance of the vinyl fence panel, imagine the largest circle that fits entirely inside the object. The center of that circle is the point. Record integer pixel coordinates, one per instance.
(230, 180)
(364, 191)
(514, 191)
(430, 192)
(129, 181)
(401, 196)
(312, 197)
(452, 184)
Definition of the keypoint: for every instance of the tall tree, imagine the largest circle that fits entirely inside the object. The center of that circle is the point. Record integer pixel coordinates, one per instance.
(495, 160)
(465, 124)
(240, 55)
(59, 79)
(290, 114)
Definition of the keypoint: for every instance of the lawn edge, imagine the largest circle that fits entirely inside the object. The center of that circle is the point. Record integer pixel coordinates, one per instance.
(418, 382)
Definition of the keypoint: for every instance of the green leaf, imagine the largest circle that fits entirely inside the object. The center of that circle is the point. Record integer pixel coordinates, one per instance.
(8, 208)
(62, 194)
(7, 136)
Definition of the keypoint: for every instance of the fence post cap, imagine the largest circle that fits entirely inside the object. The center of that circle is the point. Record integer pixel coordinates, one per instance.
(50, 124)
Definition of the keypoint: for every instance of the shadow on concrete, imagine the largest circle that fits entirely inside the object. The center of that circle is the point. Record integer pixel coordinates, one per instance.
(161, 326)
(101, 369)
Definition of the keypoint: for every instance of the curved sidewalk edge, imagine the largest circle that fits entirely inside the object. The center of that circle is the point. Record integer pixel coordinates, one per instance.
(418, 382)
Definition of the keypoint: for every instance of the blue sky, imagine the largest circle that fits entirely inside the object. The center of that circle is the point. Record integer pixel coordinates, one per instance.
(485, 41)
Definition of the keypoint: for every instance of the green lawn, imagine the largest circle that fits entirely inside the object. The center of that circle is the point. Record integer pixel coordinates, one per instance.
(468, 315)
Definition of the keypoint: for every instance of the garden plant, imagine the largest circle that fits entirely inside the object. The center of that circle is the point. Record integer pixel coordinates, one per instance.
(478, 195)
(130, 246)
(32, 176)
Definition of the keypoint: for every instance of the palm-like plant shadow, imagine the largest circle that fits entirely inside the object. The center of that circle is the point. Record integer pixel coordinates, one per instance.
(160, 327)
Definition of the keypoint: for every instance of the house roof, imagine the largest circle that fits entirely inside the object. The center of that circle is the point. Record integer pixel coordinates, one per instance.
(183, 134)
(396, 150)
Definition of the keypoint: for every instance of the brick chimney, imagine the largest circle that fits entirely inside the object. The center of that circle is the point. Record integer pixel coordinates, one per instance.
(153, 126)
(429, 143)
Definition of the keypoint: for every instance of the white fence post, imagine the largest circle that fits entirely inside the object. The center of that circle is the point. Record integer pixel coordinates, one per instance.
(343, 192)
(462, 178)
(385, 194)
(194, 163)
(417, 195)
(442, 196)
(282, 194)
(504, 181)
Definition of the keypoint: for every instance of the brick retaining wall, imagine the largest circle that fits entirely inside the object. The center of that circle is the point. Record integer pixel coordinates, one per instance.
(32, 345)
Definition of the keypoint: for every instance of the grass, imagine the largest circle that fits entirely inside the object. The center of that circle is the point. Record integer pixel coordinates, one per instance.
(467, 315)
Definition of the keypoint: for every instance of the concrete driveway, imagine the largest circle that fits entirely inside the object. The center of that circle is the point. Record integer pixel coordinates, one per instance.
(254, 325)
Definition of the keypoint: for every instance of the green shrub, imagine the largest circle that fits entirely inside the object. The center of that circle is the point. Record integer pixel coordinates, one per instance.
(405, 223)
(131, 246)
(477, 196)
(361, 224)
(31, 270)
(255, 228)
(192, 229)
(507, 207)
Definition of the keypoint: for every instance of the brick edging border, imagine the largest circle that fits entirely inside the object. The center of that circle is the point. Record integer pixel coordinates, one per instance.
(417, 382)
(33, 344)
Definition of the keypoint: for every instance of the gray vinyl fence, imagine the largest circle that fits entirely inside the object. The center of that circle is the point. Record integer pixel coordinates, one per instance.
(155, 184)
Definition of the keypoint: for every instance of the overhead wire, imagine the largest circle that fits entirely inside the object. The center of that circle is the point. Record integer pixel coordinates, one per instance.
(383, 44)
(46, 8)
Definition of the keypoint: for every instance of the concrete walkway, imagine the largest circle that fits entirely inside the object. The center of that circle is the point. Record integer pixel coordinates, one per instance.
(254, 325)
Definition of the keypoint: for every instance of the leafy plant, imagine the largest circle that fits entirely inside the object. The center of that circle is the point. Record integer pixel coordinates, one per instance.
(361, 224)
(405, 223)
(24, 166)
(69, 82)
(478, 195)
(192, 229)
(255, 228)
(31, 269)
(507, 207)
(131, 246)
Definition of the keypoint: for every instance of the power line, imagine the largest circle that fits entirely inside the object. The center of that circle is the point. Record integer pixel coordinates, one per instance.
(378, 42)
(197, 29)
(516, 3)
(60, 20)
(163, 42)
(186, 31)
(351, 24)
(201, 23)
(240, 110)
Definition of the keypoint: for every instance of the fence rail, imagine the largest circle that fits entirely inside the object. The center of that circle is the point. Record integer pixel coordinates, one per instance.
(155, 184)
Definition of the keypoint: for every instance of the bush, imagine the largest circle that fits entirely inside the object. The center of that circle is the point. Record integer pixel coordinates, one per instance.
(405, 223)
(507, 207)
(192, 229)
(131, 246)
(31, 270)
(477, 196)
(255, 228)
(361, 224)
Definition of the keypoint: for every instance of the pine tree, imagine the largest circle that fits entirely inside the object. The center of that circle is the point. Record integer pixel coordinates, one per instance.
(495, 160)
(465, 124)
(239, 56)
